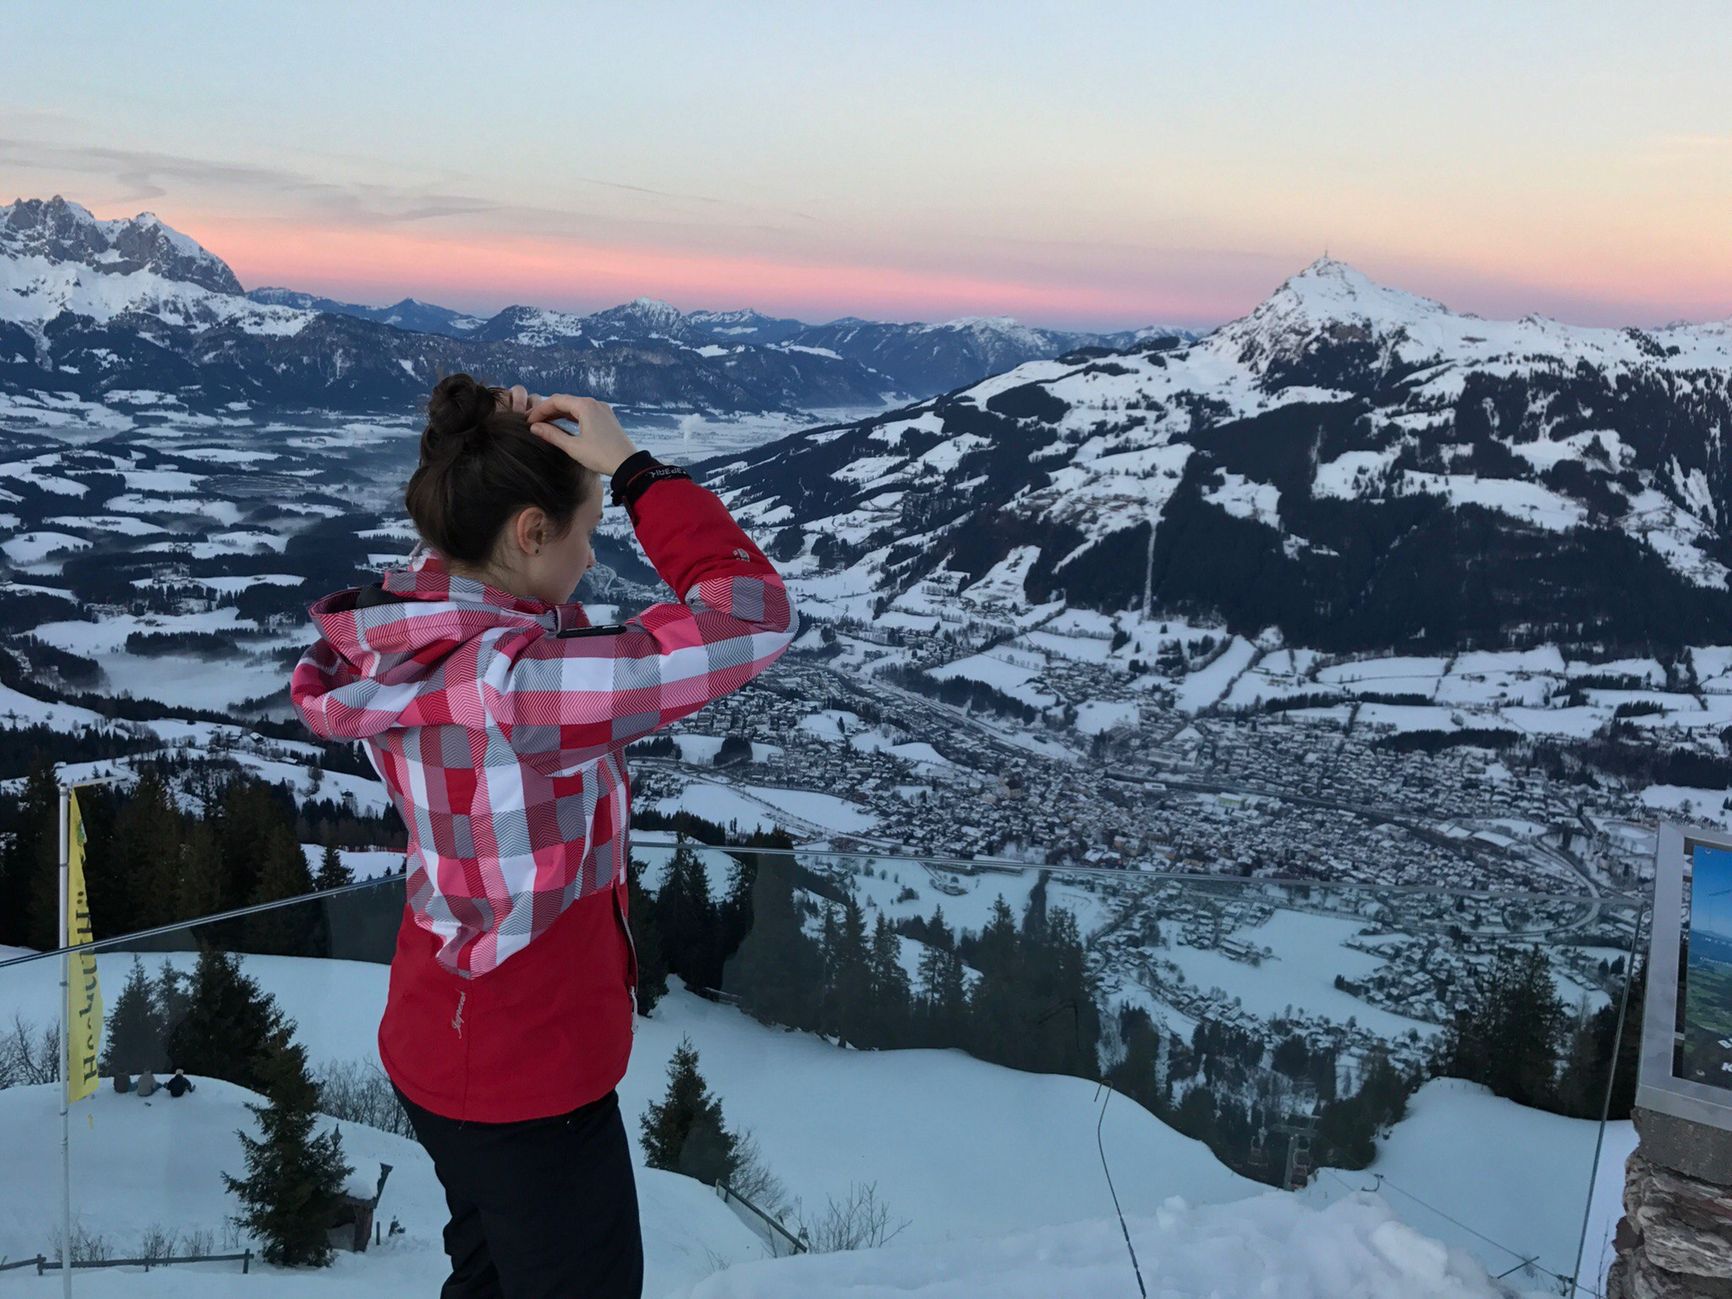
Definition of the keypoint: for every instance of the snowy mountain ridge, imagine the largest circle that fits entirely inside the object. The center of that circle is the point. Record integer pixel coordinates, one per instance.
(408, 313)
(1352, 464)
(57, 259)
(92, 306)
(57, 230)
(1330, 300)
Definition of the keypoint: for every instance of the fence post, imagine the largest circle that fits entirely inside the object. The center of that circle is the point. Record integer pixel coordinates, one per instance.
(246, 1262)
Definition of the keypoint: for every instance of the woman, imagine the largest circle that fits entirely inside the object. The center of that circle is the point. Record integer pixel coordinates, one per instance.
(497, 716)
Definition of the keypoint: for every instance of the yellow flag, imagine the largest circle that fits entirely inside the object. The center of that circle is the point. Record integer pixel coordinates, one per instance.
(84, 1034)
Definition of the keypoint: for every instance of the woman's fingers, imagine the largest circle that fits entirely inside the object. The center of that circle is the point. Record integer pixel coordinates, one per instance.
(563, 403)
(549, 407)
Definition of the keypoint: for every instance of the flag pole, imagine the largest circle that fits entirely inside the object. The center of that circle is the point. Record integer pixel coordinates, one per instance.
(61, 940)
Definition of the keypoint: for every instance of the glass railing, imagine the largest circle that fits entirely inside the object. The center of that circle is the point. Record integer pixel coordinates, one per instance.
(910, 1053)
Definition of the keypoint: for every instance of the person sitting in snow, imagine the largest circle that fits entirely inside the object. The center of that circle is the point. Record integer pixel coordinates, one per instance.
(123, 1083)
(146, 1084)
(179, 1085)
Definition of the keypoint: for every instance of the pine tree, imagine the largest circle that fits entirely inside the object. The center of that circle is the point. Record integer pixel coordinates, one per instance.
(145, 854)
(849, 999)
(294, 1179)
(777, 971)
(685, 1132)
(734, 915)
(201, 873)
(291, 930)
(652, 965)
(133, 1029)
(30, 863)
(891, 996)
(1058, 995)
(225, 1024)
(170, 1002)
(998, 1013)
(1509, 1037)
(686, 916)
(333, 874)
(1136, 1075)
(244, 821)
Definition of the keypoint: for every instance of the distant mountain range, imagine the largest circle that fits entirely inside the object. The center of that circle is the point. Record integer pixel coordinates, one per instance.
(919, 358)
(128, 312)
(1349, 465)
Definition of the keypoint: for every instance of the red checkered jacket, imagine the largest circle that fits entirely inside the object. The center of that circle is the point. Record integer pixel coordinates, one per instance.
(498, 724)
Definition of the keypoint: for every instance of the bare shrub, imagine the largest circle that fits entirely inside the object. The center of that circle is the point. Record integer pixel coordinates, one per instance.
(357, 1092)
(860, 1221)
(199, 1244)
(752, 1179)
(158, 1243)
(29, 1056)
(87, 1246)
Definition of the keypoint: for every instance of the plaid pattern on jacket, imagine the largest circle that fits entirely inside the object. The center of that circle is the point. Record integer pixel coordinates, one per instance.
(497, 722)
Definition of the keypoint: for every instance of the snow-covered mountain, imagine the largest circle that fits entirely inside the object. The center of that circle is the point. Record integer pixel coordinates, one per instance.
(1352, 464)
(410, 313)
(59, 264)
(936, 358)
(913, 357)
(91, 307)
(132, 314)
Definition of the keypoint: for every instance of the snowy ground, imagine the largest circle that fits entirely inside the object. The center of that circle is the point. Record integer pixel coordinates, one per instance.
(1308, 955)
(143, 1164)
(760, 805)
(1266, 1248)
(928, 1129)
(1507, 1183)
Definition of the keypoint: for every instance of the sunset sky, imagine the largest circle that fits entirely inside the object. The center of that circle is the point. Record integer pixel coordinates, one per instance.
(1082, 164)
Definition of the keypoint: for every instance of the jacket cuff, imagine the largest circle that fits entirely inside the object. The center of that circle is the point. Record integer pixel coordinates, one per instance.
(635, 474)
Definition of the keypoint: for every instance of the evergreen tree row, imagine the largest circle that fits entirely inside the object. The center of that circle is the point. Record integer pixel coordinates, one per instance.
(149, 864)
(796, 949)
(1516, 1037)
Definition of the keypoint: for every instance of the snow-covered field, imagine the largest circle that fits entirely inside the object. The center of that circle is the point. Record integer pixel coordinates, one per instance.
(1309, 953)
(995, 1172)
(1266, 1248)
(760, 805)
(1507, 1183)
(142, 1164)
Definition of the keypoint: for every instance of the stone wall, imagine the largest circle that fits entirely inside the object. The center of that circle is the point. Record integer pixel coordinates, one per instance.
(1675, 1239)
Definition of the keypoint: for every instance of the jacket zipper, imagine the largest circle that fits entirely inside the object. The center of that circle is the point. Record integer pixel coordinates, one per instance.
(631, 948)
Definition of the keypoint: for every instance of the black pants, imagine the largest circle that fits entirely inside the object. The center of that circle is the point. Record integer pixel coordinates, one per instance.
(543, 1209)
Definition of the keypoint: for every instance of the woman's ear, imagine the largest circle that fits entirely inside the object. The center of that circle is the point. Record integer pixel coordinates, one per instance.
(529, 529)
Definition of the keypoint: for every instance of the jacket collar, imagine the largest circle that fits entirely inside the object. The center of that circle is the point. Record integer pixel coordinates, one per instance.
(425, 576)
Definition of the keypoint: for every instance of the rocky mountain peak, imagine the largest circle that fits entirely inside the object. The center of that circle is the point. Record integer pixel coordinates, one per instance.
(58, 230)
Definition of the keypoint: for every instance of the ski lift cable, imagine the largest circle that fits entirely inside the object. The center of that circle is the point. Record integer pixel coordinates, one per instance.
(1101, 1146)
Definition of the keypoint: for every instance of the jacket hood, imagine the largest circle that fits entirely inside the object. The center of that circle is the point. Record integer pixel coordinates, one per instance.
(382, 648)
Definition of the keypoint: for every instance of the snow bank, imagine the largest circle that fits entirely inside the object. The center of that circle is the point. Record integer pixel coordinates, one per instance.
(1504, 1181)
(1271, 1247)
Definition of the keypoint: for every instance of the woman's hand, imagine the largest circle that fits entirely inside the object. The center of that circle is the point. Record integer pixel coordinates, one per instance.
(602, 445)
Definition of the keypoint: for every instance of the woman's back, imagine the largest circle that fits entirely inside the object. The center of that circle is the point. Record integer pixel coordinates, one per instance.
(498, 722)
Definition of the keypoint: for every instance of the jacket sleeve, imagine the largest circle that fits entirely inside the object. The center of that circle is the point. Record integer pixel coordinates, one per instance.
(600, 688)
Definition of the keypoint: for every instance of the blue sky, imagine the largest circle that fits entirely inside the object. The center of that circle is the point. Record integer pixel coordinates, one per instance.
(1080, 163)
(1711, 892)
